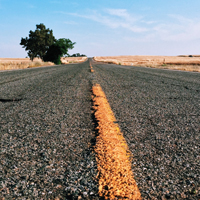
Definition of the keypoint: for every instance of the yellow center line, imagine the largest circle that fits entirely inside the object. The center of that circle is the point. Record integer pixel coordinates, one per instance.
(91, 68)
(116, 180)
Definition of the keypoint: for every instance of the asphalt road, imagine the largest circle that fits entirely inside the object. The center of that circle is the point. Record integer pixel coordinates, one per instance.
(47, 130)
(159, 113)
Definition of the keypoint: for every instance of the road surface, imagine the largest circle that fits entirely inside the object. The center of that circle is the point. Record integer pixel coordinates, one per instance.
(159, 113)
(47, 130)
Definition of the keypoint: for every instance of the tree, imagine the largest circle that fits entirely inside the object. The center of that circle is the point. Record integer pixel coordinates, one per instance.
(58, 49)
(77, 55)
(38, 42)
(41, 43)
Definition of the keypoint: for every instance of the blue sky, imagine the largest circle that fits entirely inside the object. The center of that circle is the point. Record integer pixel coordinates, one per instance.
(105, 27)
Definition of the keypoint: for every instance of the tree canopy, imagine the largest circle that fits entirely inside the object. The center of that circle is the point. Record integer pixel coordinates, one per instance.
(38, 42)
(41, 43)
(77, 55)
(58, 49)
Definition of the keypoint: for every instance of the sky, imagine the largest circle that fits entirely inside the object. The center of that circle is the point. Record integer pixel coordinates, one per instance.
(105, 27)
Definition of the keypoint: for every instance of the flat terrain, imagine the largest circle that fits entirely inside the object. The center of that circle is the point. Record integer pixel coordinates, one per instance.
(23, 63)
(47, 130)
(186, 63)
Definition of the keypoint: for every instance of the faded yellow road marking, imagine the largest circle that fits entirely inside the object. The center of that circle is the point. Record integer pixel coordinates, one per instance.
(91, 68)
(116, 180)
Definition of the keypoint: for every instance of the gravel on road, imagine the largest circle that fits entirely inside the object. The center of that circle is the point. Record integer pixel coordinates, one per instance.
(47, 130)
(46, 134)
(158, 112)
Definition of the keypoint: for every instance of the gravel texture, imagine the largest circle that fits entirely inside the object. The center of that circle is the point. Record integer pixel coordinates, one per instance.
(47, 130)
(46, 134)
(158, 112)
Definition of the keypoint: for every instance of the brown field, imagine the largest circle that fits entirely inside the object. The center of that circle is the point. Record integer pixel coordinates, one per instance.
(183, 62)
(21, 63)
(68, 60)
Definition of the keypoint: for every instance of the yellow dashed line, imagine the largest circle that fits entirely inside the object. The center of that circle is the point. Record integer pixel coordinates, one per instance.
(91, 68)
(116, 180)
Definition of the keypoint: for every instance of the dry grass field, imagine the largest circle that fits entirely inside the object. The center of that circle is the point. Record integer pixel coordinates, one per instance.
(68, 60)
(21, 63)
(186, 63)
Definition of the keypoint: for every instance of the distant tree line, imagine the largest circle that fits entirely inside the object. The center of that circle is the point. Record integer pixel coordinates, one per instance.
(77, 55)
(41, 43)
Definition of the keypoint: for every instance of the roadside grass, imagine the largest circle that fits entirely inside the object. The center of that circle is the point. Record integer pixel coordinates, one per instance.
(23, 63)
(40, 64)
(11, 65)
(190, 68)
(184, 63)
(71, 60)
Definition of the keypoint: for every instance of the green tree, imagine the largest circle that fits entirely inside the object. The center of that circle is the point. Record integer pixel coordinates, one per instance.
(38, 42)
(58, 49)
(77, 55)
